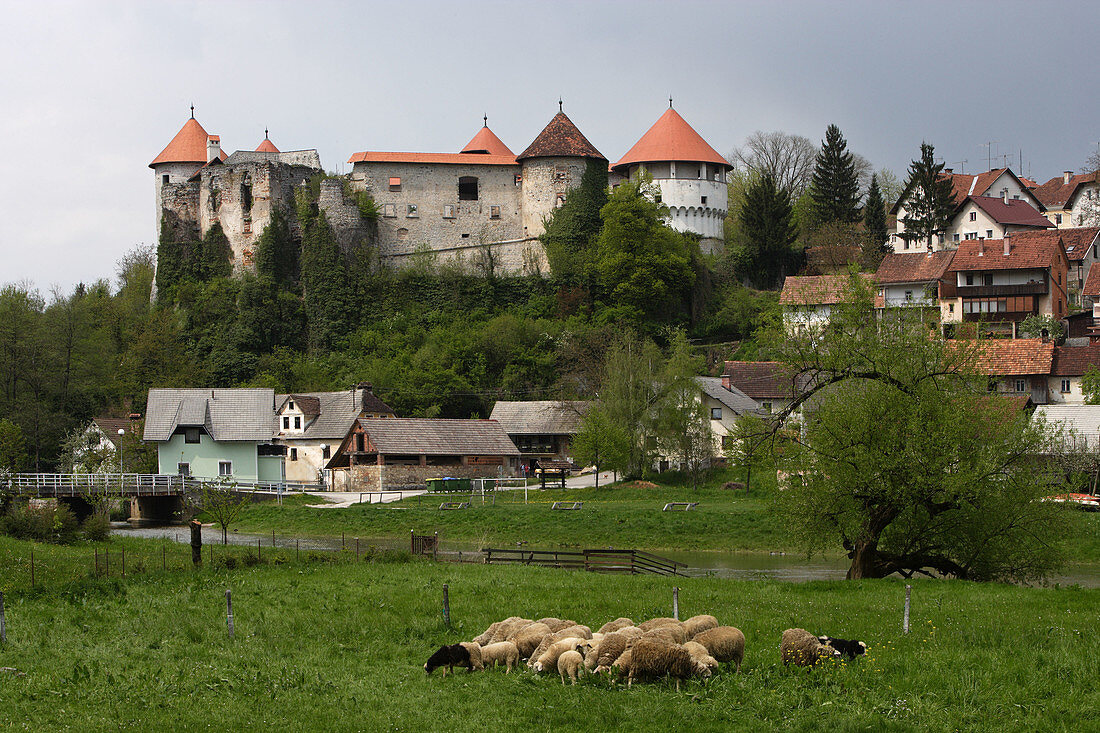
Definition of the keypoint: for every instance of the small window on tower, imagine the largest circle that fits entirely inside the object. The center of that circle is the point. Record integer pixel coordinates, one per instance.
(448, 211)
(412, 212)
(561, 200)
(246, 194)
(164, 179)
(704, 200)
(389, 211)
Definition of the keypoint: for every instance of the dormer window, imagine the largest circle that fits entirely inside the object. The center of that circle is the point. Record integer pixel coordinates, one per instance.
(290, 405)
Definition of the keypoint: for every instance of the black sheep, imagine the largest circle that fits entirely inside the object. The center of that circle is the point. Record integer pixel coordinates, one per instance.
(848, 647)
(449, 656)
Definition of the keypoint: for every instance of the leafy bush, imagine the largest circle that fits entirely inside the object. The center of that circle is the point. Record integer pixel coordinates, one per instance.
(43, 523)
(97, 527)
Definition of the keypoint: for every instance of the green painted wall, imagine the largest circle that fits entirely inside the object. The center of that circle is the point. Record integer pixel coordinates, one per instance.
(205, 455)
(271, 468)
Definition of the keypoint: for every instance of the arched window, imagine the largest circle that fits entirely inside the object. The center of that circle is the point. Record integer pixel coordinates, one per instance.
(467, 188)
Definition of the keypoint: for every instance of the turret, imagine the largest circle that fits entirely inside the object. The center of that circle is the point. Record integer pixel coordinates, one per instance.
(188, 151)
(689, 173)
(551, 166)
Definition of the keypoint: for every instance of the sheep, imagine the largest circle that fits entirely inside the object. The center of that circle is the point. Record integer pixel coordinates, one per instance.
(699, 653)
(630, 632)
(556, 624)
(615, 625)
(508, 627)
(697, 624)
(653, 623)
(848, 647)
(582, 632)
(802, 648)
(671, 634)
(652, 658)
(503, 652)
(549, 658)
(485, 636)
(724, 643)
(606, 652)
(494, 633)
(529, 637)
(622, 664)
(569, 663)
(451, 655)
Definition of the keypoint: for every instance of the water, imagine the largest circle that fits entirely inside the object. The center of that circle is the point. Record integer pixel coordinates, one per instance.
(786, 567)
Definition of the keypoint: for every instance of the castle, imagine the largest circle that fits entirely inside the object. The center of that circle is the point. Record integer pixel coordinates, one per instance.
(484, 199)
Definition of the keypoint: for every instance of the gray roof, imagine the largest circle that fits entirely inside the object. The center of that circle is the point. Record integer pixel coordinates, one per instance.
(336, 412)
(437, 436)
(1079, 423)
(540, 417)
(308, 158)
(733, 398)
(226, 414)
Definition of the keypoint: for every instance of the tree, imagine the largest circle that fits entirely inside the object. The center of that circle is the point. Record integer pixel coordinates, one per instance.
(1090, 385)
(683, 422)
(874, 220)
(644, 267)
(219, 500)
(834, 187)
(601, 442)
(889, 465)
(788, 158)
(277, 252)
(13, 448)
(769, 233)
(890, 186)
(629, 395)
(931, 198)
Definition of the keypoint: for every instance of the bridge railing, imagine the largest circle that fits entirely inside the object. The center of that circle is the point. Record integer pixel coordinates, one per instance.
(51, 485)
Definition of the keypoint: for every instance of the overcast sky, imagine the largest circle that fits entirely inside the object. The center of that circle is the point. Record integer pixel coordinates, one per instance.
(91, 92)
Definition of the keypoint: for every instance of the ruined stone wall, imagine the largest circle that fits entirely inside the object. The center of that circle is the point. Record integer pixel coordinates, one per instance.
(343, 216)
(179, 207)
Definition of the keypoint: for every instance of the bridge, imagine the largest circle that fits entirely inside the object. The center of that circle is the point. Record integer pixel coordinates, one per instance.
(154, 498)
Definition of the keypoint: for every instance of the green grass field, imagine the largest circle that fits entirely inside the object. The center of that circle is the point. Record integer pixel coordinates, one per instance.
(339, 646)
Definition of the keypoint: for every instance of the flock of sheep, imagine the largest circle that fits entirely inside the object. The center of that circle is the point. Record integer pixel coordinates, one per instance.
(654, 649)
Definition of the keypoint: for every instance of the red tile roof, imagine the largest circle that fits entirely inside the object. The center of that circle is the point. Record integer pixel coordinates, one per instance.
(918, 267)
(1015, 357)
(816, 289)
(760, 380)
(671, 138)
(448, 158)
(1056, 193)
(561, 139)
(963, 185)
(1027, 252)
(1091, 288)
(1015, 212)
(188, 146)
(1073, 361)
(266, 147)
(1077, 241)
(486, 143)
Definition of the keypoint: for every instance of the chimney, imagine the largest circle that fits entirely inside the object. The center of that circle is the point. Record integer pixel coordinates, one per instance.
(1004, 196)
(981, 246)
(948, 171)
(1008, 244)
(213, 148)
(1066, 175)
(366, 387)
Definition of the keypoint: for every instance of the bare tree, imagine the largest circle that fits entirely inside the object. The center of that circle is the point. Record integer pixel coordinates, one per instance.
(789, 158)
(219, 500)
(890, 186)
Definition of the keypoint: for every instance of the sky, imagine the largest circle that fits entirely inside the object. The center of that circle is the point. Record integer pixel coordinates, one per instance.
(93, 91)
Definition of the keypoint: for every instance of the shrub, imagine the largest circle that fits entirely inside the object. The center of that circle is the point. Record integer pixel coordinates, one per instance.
(97, 527)
(251, 560)
(44, 523)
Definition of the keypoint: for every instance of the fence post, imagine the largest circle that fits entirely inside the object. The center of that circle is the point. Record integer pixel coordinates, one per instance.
(196, 543)
(446, 605)
(435, 546)
(412, 539)
(95, 573)
(357, 549)
(3, 621)
(229, 612)
(676, 602)
(343, 545)
(259, 552)
(295, 550)
(905, 618)
(123, 550)
(32, 565)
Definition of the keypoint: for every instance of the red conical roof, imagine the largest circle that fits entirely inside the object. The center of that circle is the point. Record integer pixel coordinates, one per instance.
(485, 142)
(671, 138)
(266, 147)
(561, 139)
(188, 146)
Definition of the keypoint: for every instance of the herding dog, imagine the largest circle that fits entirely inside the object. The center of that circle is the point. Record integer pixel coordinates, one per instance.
(848, 647)
(449, 656)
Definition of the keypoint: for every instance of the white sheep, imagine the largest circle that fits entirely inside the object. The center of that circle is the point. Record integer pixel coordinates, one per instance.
(603, 656)
(569, 663)
(503, 652)
(724, 643)
(527, 638)
(700, 623)
(803, 649)
(699, 653)
(475, 655)
(671, 634)
(615, 625)
(556, 624)
(549, 658)
(659, 621)
(582, 632)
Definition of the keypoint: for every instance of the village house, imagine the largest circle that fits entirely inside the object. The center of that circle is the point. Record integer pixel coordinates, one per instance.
(808, 300)
(1071, 201)
(98, 449)
(725, 405)
(1070, 364)
(767, 383)
(541, 429)
(402, 453)
(1079, 425)
(1018, 367)
(312, 424)
(215, 433)
(912, 279)
(999, 283)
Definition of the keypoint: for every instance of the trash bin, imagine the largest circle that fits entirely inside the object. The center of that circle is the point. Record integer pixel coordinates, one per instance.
(436, 484)
(460, 484)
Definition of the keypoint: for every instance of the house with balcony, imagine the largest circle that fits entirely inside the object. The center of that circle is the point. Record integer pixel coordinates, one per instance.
(998, 283)
(541, 429)
(911, 280)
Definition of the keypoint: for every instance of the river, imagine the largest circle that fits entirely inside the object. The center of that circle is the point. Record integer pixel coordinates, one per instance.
(719, 564)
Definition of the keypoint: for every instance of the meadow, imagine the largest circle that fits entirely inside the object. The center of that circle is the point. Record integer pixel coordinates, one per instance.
(340, 646)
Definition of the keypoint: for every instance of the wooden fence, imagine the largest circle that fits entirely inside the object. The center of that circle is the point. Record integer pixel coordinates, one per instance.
(633, 562)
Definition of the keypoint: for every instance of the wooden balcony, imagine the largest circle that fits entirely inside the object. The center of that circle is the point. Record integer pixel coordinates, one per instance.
(1000, 291)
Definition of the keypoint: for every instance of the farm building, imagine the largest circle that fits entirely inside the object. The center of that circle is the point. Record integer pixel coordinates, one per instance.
(541, 429)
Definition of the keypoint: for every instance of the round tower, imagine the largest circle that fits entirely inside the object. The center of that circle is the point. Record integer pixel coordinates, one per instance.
(189, 150)
(689, 173)
(550, 167)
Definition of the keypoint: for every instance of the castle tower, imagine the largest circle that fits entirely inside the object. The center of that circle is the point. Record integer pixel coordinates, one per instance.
(191, 149)
(550, 166)
(266, 146)
(485, 142)
(690, 174)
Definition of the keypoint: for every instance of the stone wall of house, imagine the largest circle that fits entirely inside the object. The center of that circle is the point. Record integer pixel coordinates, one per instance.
(377, 478)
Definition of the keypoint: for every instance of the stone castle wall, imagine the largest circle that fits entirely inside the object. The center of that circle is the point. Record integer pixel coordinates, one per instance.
(342, 214)
(546, 183)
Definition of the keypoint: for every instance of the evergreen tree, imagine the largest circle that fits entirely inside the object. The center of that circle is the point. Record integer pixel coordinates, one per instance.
(325, 285)
(215, 255)
(570, 230)
(834, 188)
(769, 231)
(277, 254)
(931, 198)
(874, 225)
